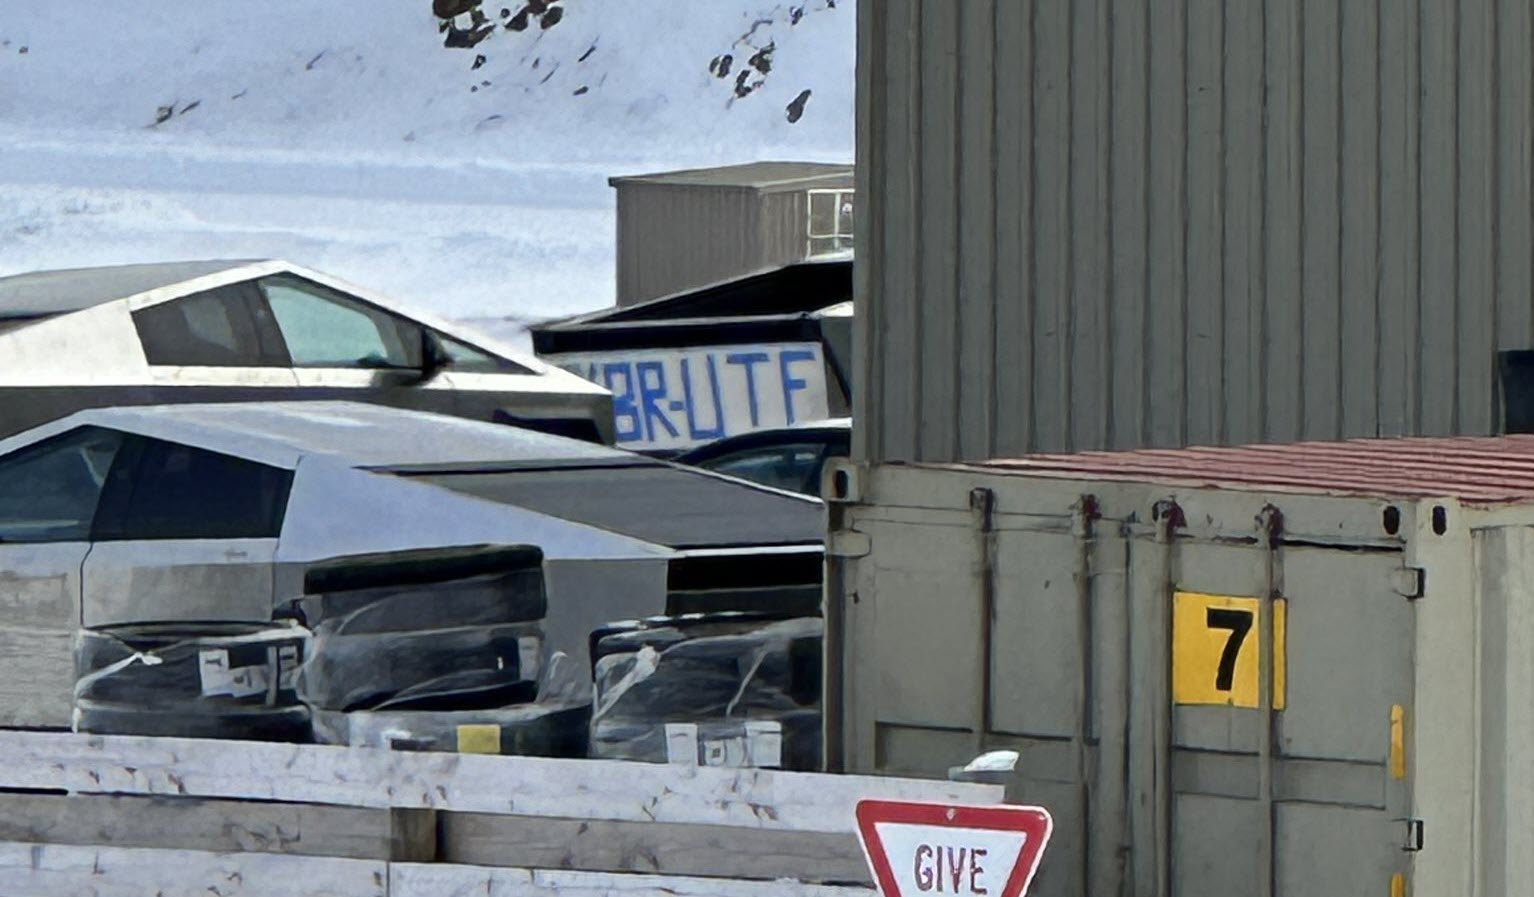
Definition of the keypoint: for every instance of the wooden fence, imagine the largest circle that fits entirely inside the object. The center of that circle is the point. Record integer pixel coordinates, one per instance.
(112, 815)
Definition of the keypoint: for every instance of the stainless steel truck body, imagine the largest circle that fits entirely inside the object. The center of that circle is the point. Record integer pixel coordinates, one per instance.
(261, 331)
(192, 514)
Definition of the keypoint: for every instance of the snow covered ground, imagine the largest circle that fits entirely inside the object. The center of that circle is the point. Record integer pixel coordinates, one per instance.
(346, 137)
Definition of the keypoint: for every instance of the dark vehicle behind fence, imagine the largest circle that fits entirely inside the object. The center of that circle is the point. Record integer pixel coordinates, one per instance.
(790, 458)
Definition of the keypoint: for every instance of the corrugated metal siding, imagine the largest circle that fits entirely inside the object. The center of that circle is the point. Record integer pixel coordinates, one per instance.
(784, 227)
(1115, 223)
(677, 238)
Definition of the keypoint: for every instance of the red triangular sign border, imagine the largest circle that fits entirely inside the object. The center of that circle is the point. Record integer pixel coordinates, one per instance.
(1034, 821)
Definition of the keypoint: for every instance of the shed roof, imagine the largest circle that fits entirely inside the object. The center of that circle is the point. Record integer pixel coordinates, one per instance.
(802, 301)
(762, 176)
(40, 293)
(811, 286)
(1477, 470)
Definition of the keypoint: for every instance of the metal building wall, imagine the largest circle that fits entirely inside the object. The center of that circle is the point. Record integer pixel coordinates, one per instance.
(1110, 223)
(784, 227)
(677, 238)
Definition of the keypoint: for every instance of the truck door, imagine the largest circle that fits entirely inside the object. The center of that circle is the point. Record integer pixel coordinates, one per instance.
(49, 492)
(184, 535)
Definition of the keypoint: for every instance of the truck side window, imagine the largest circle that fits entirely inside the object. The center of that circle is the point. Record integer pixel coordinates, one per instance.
(323, 328)
(175, 491)
(214, 328)
(49, 491)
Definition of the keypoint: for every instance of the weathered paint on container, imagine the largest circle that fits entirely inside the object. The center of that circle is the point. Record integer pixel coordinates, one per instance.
(1123, 223)
(1374, 600)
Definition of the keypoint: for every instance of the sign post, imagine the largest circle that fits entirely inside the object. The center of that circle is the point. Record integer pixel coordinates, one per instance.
(919, 849)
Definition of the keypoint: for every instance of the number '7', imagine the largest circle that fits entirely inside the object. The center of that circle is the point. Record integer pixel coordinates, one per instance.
(1239, 622)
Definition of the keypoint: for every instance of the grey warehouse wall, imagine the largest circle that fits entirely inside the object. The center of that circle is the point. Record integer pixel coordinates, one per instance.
(1112, 223)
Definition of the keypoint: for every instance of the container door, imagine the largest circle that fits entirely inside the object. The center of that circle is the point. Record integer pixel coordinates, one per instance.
(1046, 627)
(1342, 786)
(1219, 711)
(1288, 718)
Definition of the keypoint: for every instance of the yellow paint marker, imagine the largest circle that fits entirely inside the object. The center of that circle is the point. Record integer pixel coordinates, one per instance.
(1397, 741)
(479, 738)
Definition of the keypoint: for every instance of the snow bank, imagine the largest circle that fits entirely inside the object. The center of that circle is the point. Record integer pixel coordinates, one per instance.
(346, 136)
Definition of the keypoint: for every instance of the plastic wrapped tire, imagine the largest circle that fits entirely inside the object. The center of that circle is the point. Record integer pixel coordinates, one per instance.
(213, 681)
(290, 724)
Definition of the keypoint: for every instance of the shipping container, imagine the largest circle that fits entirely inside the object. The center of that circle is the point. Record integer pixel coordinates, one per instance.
(1277, 670)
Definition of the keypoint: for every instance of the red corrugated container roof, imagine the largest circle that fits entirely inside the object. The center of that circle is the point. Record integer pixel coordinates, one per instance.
(1476, 470)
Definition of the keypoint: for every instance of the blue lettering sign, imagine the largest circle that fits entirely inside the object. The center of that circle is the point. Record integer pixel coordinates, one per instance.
(623, 400)
(651, 390)
(693, 430)
(748, 361)
(792, 384)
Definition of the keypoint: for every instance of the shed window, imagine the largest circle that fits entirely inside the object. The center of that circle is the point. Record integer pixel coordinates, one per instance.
(830, 227)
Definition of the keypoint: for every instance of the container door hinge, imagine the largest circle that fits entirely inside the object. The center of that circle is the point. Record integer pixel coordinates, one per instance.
(1409, 582)
(1413, 842)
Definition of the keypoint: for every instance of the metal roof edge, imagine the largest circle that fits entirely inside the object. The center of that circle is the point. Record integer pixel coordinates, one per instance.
(807, 180)
(1480, 472)
(592, 317)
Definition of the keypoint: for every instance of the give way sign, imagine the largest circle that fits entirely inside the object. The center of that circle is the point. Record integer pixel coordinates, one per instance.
(918, 849)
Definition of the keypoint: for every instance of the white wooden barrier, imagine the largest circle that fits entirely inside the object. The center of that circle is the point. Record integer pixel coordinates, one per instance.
(110, 815)
(52, 870)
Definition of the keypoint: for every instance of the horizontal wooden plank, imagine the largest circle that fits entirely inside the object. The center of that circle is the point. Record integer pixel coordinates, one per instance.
(194, 823)
(525, 786)
(652, 848)
(413, 880)
(51, 870)
(222, 826)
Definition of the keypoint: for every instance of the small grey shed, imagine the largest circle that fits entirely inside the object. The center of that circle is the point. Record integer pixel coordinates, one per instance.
(680, 230)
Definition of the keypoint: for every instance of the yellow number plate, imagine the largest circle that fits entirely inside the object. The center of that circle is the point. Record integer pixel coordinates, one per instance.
(1215, 652)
